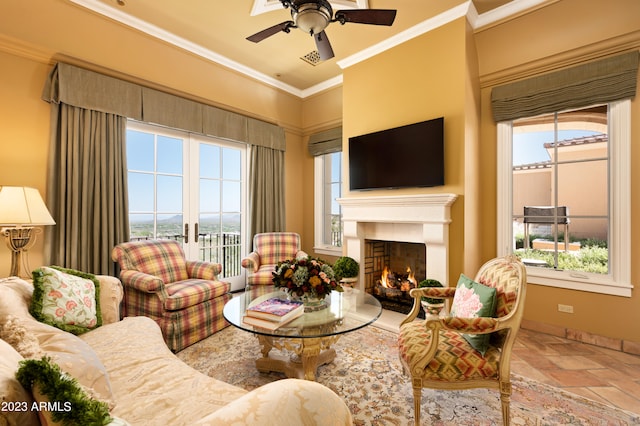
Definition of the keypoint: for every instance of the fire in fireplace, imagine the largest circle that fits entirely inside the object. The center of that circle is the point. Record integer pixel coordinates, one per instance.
(392, 268)
(392, 289)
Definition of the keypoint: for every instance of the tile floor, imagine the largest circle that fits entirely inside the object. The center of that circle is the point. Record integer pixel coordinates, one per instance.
(600, 374)
(597, 373)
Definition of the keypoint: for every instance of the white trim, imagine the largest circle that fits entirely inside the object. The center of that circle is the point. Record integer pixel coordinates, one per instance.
(618, 281)
(319, 195)
(505, 11)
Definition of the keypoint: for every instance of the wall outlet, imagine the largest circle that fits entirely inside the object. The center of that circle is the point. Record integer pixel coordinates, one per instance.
(565, 308)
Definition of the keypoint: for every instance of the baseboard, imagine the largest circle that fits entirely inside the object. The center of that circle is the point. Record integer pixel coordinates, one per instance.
(620, 345)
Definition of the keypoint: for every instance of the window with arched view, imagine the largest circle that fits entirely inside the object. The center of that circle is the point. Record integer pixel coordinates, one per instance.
(561, 190)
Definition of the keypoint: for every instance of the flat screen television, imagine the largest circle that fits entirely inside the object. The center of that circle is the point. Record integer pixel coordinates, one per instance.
(402, 157)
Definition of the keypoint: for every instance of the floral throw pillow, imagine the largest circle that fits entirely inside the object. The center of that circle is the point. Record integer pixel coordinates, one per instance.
(474, 300)
(66, 299)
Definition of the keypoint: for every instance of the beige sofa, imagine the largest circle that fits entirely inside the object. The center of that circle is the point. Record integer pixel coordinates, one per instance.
(128, 365)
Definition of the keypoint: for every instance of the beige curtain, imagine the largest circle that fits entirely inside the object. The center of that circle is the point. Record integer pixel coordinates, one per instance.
(602, 81)
(266, 190)
(102, 96)
(326, 142)
(86, 188)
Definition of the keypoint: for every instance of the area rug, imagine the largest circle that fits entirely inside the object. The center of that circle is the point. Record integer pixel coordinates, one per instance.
(367, 375)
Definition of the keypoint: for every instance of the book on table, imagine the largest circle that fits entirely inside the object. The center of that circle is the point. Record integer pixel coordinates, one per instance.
(267, 324)
(276, 310)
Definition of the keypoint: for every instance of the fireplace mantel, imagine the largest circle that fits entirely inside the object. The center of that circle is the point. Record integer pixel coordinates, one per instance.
(398, 208)
(422, 218)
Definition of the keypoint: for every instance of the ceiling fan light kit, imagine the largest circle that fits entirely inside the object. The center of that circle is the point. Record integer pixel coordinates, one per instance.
(313, 16)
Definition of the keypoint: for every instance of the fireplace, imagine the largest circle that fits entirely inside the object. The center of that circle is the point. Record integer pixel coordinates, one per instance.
(391, 269)
(411, 222)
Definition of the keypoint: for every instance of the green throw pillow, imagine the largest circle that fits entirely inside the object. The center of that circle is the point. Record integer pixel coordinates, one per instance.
(474, 300)
(66, 299)
(59, 394)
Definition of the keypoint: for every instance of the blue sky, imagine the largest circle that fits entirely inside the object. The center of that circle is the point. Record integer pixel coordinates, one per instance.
(529, 147)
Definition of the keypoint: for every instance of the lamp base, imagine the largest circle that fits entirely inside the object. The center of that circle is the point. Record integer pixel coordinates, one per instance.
(19, 240)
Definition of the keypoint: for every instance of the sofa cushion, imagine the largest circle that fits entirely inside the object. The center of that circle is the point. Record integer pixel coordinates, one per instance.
(151, 385)
(473, 300)
(73, 355)
(192, 292)
(16, 399)
(49, 385)
(67, 299)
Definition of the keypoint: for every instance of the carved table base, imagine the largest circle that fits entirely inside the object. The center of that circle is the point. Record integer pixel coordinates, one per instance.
(308, 355)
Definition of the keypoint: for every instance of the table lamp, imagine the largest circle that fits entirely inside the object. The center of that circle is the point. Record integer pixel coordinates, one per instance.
(21, 208)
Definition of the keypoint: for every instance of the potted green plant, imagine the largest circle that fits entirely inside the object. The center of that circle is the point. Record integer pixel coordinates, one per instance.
(431, 305)
(346, 270)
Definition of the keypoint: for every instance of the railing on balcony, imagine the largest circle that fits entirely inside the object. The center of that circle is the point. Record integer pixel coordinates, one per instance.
(224, 248)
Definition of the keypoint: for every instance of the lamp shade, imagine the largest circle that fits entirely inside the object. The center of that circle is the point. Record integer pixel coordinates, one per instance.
(20, 205)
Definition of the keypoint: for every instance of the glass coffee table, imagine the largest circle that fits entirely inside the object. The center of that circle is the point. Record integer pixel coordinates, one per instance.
(305, 342)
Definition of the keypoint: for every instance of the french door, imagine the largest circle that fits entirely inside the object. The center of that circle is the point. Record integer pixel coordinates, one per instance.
(192, 189)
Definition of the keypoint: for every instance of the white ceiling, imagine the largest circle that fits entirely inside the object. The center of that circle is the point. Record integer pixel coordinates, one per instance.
(217, 31)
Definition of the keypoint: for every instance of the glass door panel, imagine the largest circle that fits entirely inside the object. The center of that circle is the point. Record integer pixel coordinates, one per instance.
(190, 189)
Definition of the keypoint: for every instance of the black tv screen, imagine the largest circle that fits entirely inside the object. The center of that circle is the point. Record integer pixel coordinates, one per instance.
(402, 157)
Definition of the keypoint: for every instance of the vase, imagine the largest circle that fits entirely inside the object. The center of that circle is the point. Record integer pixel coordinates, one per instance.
(432, 309)
(311, 302)
(348, 284)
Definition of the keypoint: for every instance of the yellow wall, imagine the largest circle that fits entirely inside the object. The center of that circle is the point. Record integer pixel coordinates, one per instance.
(24, 135)
(421, 79)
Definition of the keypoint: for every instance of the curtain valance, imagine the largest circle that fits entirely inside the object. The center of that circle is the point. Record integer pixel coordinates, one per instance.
(326, 142)
(602, 81)
(87, 89)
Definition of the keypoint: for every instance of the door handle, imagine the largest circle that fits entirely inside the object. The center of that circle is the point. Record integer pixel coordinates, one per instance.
(196, 235)
(186, 233)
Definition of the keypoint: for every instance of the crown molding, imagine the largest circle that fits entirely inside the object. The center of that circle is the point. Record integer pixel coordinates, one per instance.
(159, 33)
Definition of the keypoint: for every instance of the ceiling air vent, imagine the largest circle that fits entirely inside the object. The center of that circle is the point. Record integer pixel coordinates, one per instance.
(312, 58)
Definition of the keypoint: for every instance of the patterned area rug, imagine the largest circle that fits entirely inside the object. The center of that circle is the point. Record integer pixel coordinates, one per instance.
(367, 375)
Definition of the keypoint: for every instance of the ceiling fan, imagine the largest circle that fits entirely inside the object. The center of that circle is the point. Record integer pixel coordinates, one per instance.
(313, 16)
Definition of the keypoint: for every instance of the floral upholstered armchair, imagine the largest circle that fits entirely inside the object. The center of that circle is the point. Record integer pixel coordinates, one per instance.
(184, 297)
(269, 249)
(471, 348)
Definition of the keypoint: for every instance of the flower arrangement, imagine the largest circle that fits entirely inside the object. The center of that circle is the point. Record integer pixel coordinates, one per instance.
(307, 276)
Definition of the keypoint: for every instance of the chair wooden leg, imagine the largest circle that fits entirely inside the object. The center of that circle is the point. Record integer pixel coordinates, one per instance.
(417, 397)
(505, 399)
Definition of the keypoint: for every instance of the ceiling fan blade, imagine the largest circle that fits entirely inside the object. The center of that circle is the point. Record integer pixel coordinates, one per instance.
(323, 45)
(366, 16)
(283, 26)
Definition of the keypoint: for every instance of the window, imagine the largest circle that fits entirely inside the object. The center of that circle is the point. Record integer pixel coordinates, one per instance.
(328, 217)
(563, 197)
(189, 188)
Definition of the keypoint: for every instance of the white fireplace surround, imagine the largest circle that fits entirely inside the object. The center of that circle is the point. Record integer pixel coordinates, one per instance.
(422, 218)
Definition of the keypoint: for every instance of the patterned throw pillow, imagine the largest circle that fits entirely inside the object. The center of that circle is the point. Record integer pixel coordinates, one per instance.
(474, 300)
(66, 299)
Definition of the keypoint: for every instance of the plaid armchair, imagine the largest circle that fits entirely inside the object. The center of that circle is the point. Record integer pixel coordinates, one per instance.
(184, 297)
(268, 250)
(436, 355)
